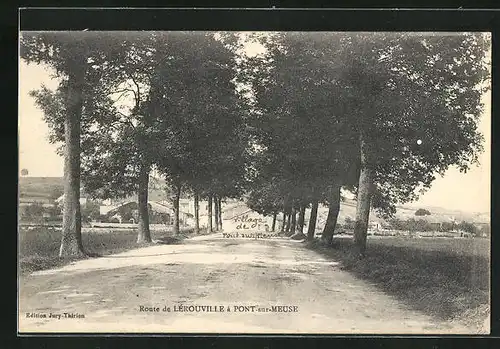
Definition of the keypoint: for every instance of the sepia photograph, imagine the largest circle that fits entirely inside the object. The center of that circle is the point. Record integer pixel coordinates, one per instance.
(259, 182)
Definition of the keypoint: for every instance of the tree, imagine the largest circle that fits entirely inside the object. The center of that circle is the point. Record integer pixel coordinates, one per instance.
(485, 230)
(114, 135)
(216, 216)
(312, 220)
(91, 65)
(273, 226)
(209, 208)
(123, 165)
(399, 88)
(468, 227)
(418, 225)
(264, 197)
(389, 90)
(68, 55)
(196, 214)
(199, 134)
(293, 224)
(448, 125)
(333, 213)
(422, 212)
(220, 212)
(175, 204)
(301, 220)
(296, 103)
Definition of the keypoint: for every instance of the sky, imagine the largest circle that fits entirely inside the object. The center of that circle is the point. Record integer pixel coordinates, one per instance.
(468, 192)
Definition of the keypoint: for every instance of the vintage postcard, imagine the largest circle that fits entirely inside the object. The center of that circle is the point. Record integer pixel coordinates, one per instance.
(254, 182)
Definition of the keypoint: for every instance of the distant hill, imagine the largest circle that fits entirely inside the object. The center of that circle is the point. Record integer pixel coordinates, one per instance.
(47, 189)
(41, 189)
(438, 214)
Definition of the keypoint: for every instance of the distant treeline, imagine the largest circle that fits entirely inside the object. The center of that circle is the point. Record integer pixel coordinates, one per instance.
(421, 225)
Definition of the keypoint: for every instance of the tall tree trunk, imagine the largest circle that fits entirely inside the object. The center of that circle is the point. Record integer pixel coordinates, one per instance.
(196, 213)
(220, 213)
(274, 221)
(333, 214)
(363, 200)
(71, 240)
(210, 227)
(312, 220)
(144, 234)
(286, 214)
(177, 196)
(294, 220)
(216, 204)
(288, 221)
(300, 223)
(283, 224)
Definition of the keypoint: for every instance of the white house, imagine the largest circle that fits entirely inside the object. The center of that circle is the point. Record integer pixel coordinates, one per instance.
(104, 209)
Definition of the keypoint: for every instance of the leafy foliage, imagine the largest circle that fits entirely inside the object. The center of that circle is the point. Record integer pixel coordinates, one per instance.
(422, 212)
(90, 211)
(417, 87)
(394, 88)
(199, 134)
(304, 147)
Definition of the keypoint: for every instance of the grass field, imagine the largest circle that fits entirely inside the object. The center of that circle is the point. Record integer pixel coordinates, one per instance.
(39, 248)
(445, 278)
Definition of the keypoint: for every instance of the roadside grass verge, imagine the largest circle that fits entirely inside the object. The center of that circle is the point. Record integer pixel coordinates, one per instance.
(445, 278)
(39, 248)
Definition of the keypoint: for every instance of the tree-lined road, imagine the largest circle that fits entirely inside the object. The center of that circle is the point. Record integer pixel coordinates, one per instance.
(211, 271)
(376, 114)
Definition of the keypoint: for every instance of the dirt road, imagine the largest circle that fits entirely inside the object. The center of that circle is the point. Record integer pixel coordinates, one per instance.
(214, 284)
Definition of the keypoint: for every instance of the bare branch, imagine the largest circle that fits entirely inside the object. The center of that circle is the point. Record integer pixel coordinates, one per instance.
(125, 116)
(123, 90)
(120, 96)
(127, 119)
(138, 94)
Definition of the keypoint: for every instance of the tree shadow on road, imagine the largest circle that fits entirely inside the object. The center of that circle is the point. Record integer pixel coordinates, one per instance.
(170, 240)
(446, 283)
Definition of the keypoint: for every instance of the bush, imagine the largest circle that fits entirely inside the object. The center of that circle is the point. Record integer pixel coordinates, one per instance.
(412, 225)
(419, 225)
(348, 224)
(485, 230)
(447, 226)
(468, 227)
(103, 218)
(33, 212)
(90, 211)
(159, 218)
(54, 211)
